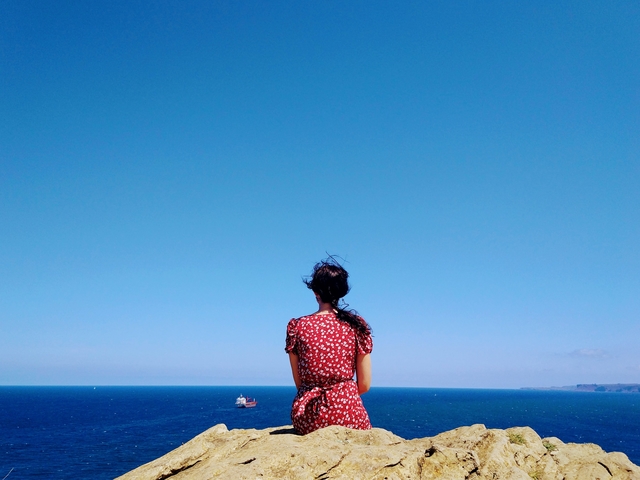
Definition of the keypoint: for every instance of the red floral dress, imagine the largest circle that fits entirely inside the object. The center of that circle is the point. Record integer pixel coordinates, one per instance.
(326, 348)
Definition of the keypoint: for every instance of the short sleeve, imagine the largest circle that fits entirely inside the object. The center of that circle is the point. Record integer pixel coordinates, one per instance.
(364, 343)
(291, 345)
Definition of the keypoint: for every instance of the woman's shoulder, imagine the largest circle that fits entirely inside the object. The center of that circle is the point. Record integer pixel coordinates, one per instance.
(304, 318)
(311, 319)
(315, 316)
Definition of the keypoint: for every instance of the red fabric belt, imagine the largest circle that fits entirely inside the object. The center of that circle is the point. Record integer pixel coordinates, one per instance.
(315, 396)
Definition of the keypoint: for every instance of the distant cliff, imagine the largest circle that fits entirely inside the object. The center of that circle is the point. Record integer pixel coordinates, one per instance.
(594, 387)
(472, 453)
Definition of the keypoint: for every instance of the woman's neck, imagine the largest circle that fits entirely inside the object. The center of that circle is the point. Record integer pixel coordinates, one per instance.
(325, 308)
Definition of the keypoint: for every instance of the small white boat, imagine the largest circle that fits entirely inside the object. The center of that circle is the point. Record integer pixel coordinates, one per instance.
(246, 402)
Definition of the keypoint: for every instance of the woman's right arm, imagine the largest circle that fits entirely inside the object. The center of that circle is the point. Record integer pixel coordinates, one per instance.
(293, 359)
(363, 373)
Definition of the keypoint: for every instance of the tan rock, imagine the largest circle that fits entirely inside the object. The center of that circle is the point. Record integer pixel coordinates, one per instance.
(466, 453)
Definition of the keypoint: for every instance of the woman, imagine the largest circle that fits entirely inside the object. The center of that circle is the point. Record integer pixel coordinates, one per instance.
(326, 348)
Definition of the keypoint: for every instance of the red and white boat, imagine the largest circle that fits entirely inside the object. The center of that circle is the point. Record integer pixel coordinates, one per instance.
(246, 402)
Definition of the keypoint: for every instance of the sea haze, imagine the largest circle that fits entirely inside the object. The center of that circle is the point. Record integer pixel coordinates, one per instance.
(103, 432)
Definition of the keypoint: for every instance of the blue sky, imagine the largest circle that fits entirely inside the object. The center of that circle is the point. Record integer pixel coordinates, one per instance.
(170, 170)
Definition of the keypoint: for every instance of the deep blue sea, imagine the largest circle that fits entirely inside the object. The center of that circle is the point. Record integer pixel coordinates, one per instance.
(103, 432)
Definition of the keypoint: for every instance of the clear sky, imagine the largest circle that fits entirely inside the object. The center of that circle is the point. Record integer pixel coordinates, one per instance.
(170, 170)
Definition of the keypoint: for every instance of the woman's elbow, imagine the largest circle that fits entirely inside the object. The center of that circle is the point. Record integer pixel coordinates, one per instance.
(363, 387)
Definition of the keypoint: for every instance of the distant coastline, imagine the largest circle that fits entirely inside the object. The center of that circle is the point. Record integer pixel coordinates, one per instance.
(594, 387)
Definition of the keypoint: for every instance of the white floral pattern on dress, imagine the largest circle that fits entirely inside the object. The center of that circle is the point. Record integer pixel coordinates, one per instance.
(326, 348)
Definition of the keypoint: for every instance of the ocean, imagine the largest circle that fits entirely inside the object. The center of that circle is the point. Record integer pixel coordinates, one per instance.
(103, 432)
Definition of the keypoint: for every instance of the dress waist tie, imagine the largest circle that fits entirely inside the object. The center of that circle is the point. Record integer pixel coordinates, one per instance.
(316, 395)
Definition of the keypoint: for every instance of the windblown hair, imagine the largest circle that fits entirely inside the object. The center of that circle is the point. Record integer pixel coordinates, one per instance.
(330, 281)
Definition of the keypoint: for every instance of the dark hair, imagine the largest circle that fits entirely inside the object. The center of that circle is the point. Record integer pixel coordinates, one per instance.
(330, 281)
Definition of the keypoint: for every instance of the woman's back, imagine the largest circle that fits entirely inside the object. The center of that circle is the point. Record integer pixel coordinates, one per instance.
(326, 348)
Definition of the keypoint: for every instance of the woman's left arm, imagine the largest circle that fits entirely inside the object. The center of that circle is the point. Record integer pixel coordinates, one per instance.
(363, 373)
(293, 358)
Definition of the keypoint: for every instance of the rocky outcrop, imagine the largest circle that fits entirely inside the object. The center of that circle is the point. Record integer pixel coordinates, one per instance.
(471, 453)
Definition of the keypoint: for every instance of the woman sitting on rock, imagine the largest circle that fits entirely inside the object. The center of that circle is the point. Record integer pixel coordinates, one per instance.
(326, 348)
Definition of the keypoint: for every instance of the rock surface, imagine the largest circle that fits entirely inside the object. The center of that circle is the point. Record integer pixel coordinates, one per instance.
(471, 453)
